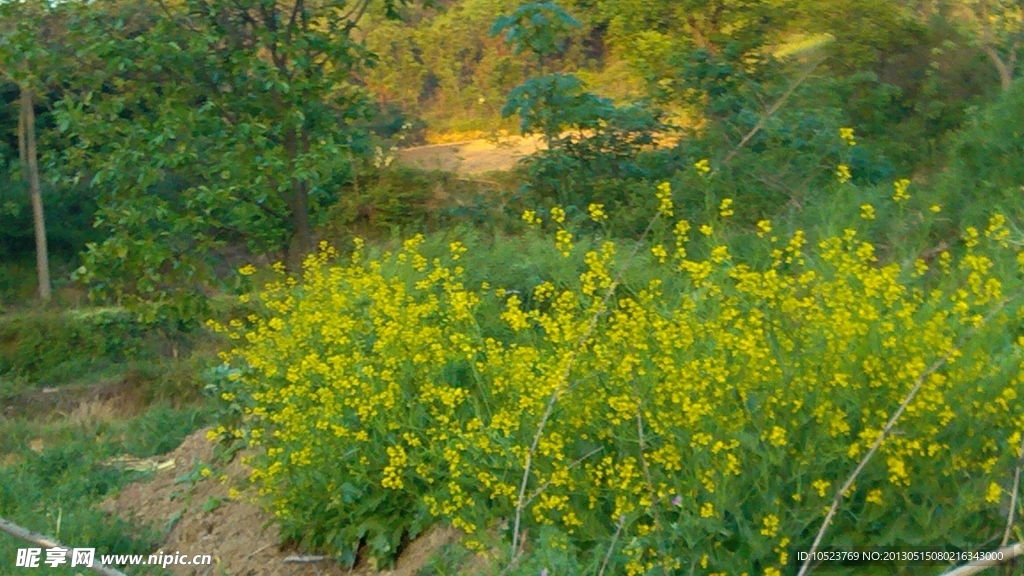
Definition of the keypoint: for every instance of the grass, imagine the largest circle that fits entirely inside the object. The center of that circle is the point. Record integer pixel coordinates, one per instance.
(53, 475)
(79, 387)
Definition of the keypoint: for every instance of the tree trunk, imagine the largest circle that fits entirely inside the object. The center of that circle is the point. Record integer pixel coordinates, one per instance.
(301, 243)
(27, 147)
(1005, 69)
(699, 38)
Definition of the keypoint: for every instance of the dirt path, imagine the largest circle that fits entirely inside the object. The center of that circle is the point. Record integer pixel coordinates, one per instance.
(471, 156)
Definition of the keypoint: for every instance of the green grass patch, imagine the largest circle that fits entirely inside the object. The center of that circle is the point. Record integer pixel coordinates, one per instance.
(53, 474)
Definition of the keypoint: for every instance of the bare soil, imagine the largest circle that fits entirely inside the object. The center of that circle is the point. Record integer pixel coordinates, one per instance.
(114, 398)
(236, 533)
(472, 156)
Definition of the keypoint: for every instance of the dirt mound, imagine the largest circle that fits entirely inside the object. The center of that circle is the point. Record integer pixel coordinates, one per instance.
(235, 532)
(106, 400)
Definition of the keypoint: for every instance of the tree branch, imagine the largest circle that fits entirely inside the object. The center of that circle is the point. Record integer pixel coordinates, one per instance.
(611, 546)
(300, 6)
(1003, 68)
(771, 111)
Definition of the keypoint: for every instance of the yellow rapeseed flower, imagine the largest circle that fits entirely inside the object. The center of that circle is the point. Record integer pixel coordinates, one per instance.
(900, 187)
(777, 436)
(843, 173)
(770, 526)
(558, 214)
(847, 135)
(664, 196)
(563, 241)
(530, 217)
(659, 252)
(821, 486)
(867, 211)
(381, 360)
(725, 209)
(457, 249)
(994, 493)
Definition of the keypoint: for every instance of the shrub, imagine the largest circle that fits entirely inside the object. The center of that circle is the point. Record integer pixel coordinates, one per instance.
(388, 197)
(985, 169)
(53, 347)
(668, 403)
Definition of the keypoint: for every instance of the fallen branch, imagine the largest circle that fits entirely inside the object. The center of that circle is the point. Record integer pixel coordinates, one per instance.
(46, 542)
(1009, 554)
(647, 475)
(304, 559)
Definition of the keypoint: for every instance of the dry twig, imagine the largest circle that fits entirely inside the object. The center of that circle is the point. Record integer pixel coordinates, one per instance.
(304, 559)
(647, 476)
(771, 111)
(611, 546)
(1013, 495)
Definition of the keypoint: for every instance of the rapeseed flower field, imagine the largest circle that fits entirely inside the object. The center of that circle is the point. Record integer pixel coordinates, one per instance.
(674, 407)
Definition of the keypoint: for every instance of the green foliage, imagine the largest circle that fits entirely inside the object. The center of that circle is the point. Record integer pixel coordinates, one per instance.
(864, 32)
(442, 65)
(692, 24)
(590, 141)
(984, 171)
(260, 116)
(73, 209)
(771, 136)
(539, 27)
(605, 149)
(549, 104)
(51, 347)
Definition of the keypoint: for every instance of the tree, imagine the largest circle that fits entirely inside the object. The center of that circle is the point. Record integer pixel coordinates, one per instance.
(28, 156)
(997, 28)
(210, 121)
(22, 53)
